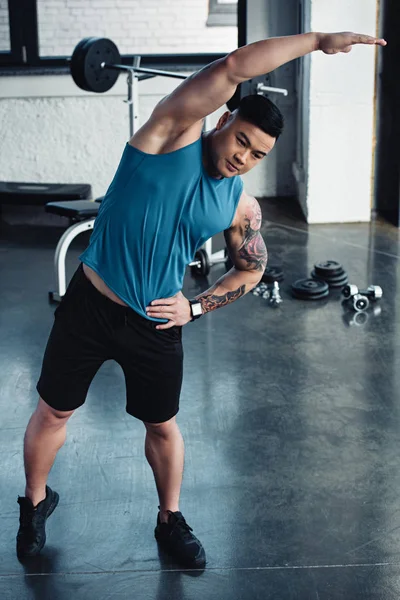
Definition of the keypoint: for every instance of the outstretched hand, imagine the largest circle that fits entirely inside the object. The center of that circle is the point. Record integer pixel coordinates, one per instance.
(332, 43)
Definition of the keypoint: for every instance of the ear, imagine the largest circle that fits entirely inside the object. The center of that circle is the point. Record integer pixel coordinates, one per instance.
(223, 120)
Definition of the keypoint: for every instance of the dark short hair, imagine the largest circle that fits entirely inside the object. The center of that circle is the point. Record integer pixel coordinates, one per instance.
(263, 113)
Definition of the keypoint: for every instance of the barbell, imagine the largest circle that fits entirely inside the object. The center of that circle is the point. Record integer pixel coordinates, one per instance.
(95, 65)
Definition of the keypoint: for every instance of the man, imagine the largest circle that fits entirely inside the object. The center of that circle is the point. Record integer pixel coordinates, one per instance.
(174, 188)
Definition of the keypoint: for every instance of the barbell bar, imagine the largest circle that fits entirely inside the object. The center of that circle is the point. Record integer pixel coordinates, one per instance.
(144, 70)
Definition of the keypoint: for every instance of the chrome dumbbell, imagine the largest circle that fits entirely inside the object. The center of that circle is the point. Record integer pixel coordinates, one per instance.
(360, 298)
(260, 289)
(275, 297)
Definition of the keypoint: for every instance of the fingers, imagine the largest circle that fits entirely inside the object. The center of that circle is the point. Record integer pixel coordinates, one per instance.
(162, 315)
(160, 312)
(359, 38)
(163, 301)
(166, 325)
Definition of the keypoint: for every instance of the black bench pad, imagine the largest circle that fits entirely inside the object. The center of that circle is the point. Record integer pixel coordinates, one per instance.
(75, 209)
(38, 194)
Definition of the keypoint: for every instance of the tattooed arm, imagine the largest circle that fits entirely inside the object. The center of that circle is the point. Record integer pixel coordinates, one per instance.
(249, 256)
(248, 253)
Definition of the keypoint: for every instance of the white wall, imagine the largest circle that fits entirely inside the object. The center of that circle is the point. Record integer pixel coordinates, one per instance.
(54, 132)
(341, 117)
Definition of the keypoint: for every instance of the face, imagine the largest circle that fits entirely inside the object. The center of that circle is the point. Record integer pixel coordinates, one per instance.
(237, 146)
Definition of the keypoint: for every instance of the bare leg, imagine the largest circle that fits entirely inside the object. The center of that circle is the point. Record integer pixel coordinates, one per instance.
(44, 436)
(164, 448)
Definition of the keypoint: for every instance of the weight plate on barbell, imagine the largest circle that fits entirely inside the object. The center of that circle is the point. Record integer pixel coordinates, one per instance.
(86, 61)
(77, 64)
(203, 267)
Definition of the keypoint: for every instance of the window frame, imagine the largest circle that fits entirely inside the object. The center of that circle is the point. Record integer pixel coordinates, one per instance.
(23, 57)
(222, 15)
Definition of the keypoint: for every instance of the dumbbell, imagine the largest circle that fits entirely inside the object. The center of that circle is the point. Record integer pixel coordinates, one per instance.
(360, 298)
(374, 292)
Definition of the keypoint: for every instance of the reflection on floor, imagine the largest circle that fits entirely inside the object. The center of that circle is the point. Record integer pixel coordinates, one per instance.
(291, 419)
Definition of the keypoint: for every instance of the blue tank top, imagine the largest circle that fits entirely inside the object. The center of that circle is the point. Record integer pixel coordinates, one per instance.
(158, 210)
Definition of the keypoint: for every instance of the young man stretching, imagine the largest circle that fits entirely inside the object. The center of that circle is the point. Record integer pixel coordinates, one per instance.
(174, 189)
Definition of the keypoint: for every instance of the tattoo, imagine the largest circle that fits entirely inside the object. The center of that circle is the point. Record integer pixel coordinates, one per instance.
(253, 250)
(211, 302)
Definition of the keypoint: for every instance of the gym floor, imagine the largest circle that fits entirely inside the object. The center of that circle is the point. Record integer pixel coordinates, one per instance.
(291, 419)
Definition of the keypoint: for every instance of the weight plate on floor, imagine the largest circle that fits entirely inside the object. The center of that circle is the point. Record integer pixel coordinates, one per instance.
(272, 274)
(309, 287)
(338, 284)
(338, 275)
(328, 268)
(302, 296)
(338, 280)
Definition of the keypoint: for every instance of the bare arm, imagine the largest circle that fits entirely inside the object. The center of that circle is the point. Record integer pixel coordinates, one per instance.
(207, 90)
(248, 253)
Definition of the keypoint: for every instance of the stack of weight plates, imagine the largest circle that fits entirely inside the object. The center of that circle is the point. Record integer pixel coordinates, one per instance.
(332, 272)
(272, 274)
(310, 289)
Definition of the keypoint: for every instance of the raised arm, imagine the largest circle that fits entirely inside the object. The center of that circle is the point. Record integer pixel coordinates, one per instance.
(208, 89)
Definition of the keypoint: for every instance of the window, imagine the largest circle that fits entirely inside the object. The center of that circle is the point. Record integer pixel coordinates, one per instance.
(41, 34)
(5, 44)
(222, 13)
(12, 50)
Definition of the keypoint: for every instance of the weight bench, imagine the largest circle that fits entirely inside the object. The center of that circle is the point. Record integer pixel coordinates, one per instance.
(82, 214)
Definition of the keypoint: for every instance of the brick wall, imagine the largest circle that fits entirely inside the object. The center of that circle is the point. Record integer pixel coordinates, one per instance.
(137, 26)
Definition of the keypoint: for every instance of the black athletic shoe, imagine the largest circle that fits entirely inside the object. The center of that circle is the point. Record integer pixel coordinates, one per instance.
(175, 537)
(31, 534)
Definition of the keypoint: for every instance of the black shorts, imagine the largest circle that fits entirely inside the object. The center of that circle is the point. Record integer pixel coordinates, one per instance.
(89, 329)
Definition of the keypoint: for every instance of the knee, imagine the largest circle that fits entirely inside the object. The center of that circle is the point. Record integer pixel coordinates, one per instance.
(163, 430)
(51, 417)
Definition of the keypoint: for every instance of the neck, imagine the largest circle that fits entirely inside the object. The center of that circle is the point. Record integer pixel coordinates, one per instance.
(208, 162)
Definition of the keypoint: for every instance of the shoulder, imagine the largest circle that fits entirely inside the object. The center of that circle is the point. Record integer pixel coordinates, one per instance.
(248, 212)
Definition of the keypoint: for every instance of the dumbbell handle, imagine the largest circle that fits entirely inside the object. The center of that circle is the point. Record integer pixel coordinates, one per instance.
(374, 292)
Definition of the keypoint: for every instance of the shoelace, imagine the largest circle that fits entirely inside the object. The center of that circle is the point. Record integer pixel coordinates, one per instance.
(182, 527)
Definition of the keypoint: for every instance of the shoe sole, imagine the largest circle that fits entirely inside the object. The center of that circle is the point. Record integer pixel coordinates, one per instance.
(50, 511)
